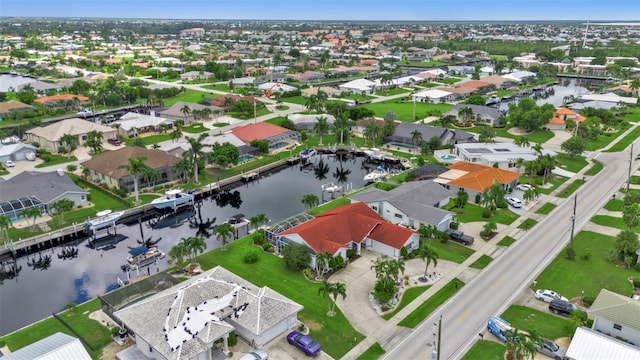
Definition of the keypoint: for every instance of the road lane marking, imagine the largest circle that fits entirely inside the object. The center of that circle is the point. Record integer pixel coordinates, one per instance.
(497, 283)
(524, 257)
(463, 316)
(422, 355)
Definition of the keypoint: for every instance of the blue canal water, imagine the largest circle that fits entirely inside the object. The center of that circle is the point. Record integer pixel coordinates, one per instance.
(35, 294)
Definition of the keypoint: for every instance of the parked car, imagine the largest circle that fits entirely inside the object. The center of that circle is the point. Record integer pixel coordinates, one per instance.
(115, 141)
(515, 202)
(459, 236)
(9, 164)
(524, 187)
(563, 307)
(548, 295)
(304, 343)
(551, 349)
(256, 355)
(500, 328)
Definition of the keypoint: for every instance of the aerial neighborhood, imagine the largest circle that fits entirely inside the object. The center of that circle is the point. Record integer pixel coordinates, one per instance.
(225, 189)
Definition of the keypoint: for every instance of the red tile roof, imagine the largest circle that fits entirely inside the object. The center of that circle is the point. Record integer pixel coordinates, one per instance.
(61, 97)
(480, 177)
(261, 130)
(336, 228)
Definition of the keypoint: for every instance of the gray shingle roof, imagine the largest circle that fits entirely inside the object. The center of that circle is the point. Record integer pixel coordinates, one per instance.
(617, 308)
(44, 186)
(478, 109)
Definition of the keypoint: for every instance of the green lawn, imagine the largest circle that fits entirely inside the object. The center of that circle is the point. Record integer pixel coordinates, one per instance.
(546, 209)
(625, 141)
(485, 350)
(527, 224)
(294, 100)
(404, 109)
(248, 116)
(611, 221)
(358, 97)
(571, 163)
(394, 91)
(334, 333)
(614, 205)
(426, 63)
(482, 262)
(571, 188)
(426, 308)
(498, 57)
(57, 159)
(449, 80)
(544, 323)
(472, 213)
(407, 297)
(451, 251)
(220, 87)
(571, 277)
(190, 96)
(538, 136)
(373, 353)
(329, 205)
(94, 333)
(555, 181)
(595, 168)
(506, 241)
(605, 139)
(195, 128)
(149, 140)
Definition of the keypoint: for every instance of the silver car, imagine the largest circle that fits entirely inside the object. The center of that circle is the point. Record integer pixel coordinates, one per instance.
(552, 350)
(256, 355)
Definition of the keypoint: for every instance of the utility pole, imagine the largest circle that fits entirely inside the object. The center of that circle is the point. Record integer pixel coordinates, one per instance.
(439, 336)
(573, 220)
(630, 163)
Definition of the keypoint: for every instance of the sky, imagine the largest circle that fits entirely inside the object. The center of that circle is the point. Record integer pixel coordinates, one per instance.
(417, 10)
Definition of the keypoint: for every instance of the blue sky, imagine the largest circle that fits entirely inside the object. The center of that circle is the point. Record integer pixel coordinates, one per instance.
(424, 10)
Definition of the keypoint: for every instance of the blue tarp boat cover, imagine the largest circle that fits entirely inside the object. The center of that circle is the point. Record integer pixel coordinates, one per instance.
(138, 251)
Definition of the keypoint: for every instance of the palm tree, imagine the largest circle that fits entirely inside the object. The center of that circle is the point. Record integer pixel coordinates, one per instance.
(176, 134)
(321, 126)
(416, 138)
(333, 290)
(5, 223)
(322, 263)
(634, 86)
(447, 120)
(320, 170)
(194, 245)
(177, 254)
(185, 110)
(228, 103)
(489, 228)
(537, 148)
(31, 213)
(466, 113)
(522, 141)
(631, 215)
(94, 140)
(342, 126)
(224, 232)
(312, 102)
(428, 255)
(258, 220)
(310, 201)
(136, 167)
(195, 155)
(519, 163)
(371, 132)
(70, 142)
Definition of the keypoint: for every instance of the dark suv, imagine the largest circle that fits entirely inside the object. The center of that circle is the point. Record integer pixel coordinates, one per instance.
(563, 307)
(115, 141)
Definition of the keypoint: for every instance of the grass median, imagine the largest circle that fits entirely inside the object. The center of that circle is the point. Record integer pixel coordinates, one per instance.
(426, 308)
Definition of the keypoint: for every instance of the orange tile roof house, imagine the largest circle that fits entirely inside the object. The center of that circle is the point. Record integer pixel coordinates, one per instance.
(559, 119)
(475, 178)
(350, 227)
(277, 137)
(13, 105)
(57, 99)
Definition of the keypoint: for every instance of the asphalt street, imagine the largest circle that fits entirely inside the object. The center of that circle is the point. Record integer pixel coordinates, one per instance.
(465, 315)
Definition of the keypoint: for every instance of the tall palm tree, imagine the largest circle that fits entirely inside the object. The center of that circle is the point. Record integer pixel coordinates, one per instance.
(177, 254)
(371, 132)
(5, 224)
(416, 138)
(195, 245)
(428, 255)
(522, 141)
(31, 213)
(322, 263)
(224, 232)
(342, 126)
(537, 148)
(312, 102)
(310, 201)
(321, 126)
(69, 141)
(136, 168)
(634, 86)
(258, 220)
(185, 110)
(466, 113)
(176, 134)
(195, 154)
(447, 120)
(333, 290)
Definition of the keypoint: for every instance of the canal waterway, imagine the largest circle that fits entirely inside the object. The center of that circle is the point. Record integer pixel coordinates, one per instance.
(35, 294)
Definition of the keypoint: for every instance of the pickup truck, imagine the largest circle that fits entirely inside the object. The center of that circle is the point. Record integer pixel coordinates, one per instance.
(459, 236)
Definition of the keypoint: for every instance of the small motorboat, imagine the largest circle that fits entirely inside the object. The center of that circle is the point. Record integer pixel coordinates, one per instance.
(142, 256)
(331, 188)
(172, 199)
(105, 218)
(376, 174)
(308, 153)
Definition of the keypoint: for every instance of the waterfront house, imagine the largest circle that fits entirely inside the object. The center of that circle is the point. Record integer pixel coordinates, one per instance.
(475, 178)
(502, 155)
(49, 136)
(403, 133)
(277, 137)
(308, 121)
(11, 106)
(481, 115)
(178, 111)
(560, 117)
(359, 87)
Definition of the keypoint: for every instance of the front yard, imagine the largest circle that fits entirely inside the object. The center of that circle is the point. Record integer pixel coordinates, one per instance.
(404, 109)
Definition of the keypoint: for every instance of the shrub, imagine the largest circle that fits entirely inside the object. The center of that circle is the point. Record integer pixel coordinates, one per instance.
(72, 167)
(251, 257)
(587, 301)
(267, 247)
(233, 339)
(303, 136)
(115, 330)
(307, 273)
(351, 253)
(486, 213)
(404, 252)
(586, 256)
(454, 225)
(46, 157)
(301, 327)
(121, 192)
(636, 282)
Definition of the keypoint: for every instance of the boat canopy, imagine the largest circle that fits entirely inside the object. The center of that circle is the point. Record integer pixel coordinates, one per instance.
(138, 251)
(173, 192)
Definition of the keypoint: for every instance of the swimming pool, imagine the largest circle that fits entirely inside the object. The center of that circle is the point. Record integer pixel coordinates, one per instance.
(244, 158)
(448, 157)
(278, 145)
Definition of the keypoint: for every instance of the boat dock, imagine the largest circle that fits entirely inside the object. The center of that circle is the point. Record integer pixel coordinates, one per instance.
(250, 176)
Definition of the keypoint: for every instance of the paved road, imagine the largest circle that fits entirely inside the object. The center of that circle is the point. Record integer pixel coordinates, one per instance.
(491, 292)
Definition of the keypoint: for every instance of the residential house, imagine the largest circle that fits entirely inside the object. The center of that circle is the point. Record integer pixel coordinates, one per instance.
(476, 86)
(132, 124)
(192, 33)
(359, 86)
(240, 82)
(17, 151)
(485, 115)
(270, 88)
(308, 121)
(107, 167)
(62, 100)
(610, 97)
(49, 136)
(503, 155)
(277, 137)
(587, 344)
(325, 89)
(41, 87)
(520, 76)
(307, 76)
(178, 111)
(433, 96)
(410, 204)
(348, 227)
(476, 178)
(195, 75)
(219, 102)
(12, 106)
(499, 82)
(617, 316)
(404, 134)
(56, 346)
(38, 189)
(560, 117)
(186, 320)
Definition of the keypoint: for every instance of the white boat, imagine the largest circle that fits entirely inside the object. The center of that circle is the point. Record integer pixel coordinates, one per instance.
(376, 174)
(172, 198)
(375, 154)
(308, 153)
(331, 188)
(104, 219)
(142, 256)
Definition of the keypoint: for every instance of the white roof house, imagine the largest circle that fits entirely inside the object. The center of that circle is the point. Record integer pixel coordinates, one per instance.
(308, 121)
(58, 346)
(610, 97)
(587, 344)
(503, 154)
(358, 86)
(519, 75)
(432, 96)
(276, 87)
(131, 121)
